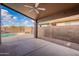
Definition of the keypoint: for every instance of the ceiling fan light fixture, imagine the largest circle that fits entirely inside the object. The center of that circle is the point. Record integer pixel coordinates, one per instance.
(36, 5)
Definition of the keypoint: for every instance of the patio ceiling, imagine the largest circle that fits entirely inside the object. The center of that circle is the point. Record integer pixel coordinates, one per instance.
(51, 9)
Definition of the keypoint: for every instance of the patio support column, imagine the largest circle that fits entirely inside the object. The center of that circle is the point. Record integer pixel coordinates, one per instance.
(0, 41)
(0, 36)
(36, 29)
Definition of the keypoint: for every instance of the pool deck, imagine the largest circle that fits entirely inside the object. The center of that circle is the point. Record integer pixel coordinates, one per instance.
(35, 47)
(16, 37)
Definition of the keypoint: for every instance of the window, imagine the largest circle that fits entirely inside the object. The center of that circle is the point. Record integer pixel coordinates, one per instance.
(68, 23)
(44, 25)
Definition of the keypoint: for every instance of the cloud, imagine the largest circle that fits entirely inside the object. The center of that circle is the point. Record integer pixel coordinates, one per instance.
(6, 16)
(8, 20)
(28, 23)
(4, 12)
(14, 17)
(32, 21)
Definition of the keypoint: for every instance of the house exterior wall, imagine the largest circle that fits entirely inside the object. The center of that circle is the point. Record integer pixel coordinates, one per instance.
(64, 35)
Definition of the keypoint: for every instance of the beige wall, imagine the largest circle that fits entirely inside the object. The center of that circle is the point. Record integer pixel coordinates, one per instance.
(67, 33)
(17, 29)
(29, 30)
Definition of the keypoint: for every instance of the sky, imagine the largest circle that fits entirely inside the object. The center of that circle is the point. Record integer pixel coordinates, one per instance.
(12, 18)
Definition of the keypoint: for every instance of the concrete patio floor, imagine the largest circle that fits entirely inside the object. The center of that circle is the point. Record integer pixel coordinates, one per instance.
(35, 47)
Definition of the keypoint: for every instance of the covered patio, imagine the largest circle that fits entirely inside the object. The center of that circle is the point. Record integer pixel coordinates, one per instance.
(50, 40)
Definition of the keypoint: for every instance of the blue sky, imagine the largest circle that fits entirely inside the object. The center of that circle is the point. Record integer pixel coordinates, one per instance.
(12, 18)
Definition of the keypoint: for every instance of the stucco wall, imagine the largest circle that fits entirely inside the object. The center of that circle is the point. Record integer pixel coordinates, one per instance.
(67, 33)
(16, 29)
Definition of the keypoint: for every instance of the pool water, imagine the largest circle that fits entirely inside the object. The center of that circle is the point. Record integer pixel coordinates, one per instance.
(7, 35)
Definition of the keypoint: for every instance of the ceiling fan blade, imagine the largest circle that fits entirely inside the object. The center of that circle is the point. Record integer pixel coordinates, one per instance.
(43, 9)
(28, 6)
(30, 10)
(36, 11)
(37, 4)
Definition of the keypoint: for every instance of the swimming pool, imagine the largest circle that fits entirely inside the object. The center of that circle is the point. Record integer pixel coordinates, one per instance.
(7, 35)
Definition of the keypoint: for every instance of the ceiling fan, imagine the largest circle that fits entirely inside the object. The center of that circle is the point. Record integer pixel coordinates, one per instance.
(35, 8)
